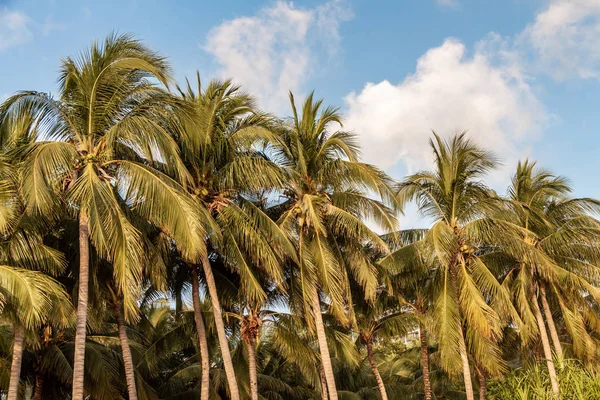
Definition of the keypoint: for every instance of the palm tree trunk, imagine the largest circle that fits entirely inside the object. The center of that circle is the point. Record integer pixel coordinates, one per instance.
(482, 384)
(462, 348)
(546, 346)
(550, 321)
(126, 352)
(324, 395)
(39, 386)
(17, 359)
(250, 345)
(323, 347)
(201, 332)
(425, 362)
(82, 304)
(234, 392)
(375, 370)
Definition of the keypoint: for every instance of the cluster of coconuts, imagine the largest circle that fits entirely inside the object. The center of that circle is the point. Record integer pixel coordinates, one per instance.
(201, 192)
(87, 159)
(467, 249)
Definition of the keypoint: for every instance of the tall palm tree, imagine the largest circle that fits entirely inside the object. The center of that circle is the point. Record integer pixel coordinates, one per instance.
(454, 196)
(562, 254)
(411, 272)
(382, 318)
(97, 149)
(221, 149)
(325, 203)
(28, 297)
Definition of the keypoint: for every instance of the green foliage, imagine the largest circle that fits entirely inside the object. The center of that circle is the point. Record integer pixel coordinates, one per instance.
(272, 218)
(577, 382)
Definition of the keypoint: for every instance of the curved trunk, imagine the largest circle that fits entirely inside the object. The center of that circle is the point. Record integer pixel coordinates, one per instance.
(39, 386)
(425, 362)
(250, 345)
(482, 384)
(324, 395)
(202, 341)
(462, 348)
(550, 321)
(234, 392)
(323, 347)
(82, 304)
(17, 359)
(126, 352)
(546, 346)
(373, 364)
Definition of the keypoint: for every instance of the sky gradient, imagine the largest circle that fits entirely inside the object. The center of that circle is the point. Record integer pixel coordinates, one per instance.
(521, 76)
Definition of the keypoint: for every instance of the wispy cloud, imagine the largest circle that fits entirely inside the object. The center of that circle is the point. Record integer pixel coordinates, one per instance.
(564, 39)
(277, 49)
(448, 3)
(50, 25)
(14, 28)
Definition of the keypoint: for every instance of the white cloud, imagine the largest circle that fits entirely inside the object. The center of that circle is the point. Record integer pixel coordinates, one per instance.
(485, 94)
(276, 50)
(14, 28)
(565, 39)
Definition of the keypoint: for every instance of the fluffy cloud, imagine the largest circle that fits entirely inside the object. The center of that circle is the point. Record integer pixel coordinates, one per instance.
(277, 49)
(14, 28)
(485, 94)
(565, 39)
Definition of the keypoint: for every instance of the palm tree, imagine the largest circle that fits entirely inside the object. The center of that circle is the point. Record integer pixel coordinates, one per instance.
(460, 204)
(96, 152)
(411, 270)
(561, 240)
(382, 318)
(324, 205)
(221, 151)
(28, 297)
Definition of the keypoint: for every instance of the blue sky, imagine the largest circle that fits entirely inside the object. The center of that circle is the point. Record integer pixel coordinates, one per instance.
(522, 76)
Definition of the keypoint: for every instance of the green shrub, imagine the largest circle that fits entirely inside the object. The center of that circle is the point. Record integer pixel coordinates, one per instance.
(576, 382)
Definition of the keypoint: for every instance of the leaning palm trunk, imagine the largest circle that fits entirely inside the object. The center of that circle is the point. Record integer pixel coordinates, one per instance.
(462, 348)
(324, 395)
(17, 359)
(126, 352)
(373, 364)
(546, 346)
(425, 362)
(250, 345)
(323, 347)
(82, 304)
(201, 332)
(218, 317)
(482, 384)
(550, 321)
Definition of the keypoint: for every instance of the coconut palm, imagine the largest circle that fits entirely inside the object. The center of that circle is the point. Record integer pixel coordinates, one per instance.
(96, 151)
(382, 318)
(460, 204)
(28, 297)
(411, 272)
(221, 149)
(323, 208)
(562, 240)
